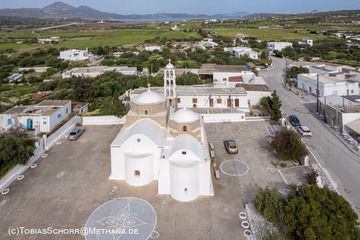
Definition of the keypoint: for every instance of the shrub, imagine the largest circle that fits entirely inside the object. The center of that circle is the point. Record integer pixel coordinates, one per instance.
(270, 204)
(311, 177)
(288, 145)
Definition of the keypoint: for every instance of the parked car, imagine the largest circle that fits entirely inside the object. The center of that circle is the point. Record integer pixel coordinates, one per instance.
(230, 146)
(76, 133)
(294, 121)
(304, 131)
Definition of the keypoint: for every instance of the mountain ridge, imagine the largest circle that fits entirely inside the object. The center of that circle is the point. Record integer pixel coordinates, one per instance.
(60, 10)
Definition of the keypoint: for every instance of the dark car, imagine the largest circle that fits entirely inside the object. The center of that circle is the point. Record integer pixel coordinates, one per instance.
(230, 146)
(76, 133)
(294, 121)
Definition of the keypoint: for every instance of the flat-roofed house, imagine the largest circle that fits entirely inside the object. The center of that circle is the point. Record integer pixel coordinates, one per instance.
(43, 117)
(327, 85)
(75, 55)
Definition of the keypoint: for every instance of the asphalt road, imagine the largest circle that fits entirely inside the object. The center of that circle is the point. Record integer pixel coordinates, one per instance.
(342, 164)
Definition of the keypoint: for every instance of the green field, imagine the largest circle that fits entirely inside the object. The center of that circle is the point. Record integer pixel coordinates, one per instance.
(88, 39)
(266, 34)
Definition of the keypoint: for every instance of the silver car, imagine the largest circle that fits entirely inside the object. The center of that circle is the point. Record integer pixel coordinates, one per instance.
(304, 131)
(76, 133)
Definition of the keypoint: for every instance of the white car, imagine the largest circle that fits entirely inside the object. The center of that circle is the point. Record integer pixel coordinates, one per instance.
(304, 131)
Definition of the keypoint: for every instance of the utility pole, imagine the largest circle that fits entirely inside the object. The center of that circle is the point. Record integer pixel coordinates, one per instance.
(317, 93)
(286, 72)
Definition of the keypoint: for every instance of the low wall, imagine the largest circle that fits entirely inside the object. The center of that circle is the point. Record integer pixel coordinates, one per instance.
(223, 117)
(102, 120)
(255, 119)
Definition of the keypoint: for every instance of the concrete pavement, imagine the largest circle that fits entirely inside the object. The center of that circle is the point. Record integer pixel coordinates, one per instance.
(342, 164)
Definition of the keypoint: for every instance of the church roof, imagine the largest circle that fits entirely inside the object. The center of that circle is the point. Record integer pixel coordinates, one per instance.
(146, 127)
(148, 97)
(185, 115)
(186, 142)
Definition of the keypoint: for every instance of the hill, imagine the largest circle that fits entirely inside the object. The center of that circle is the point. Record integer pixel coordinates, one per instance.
(60, 10)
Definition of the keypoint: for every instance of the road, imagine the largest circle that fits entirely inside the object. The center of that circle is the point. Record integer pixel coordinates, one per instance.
(342, 164)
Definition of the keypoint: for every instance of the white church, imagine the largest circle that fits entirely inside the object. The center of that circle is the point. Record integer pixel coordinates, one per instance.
(161, 143)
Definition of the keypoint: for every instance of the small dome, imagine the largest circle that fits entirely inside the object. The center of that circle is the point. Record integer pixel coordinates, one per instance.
(169, 65)
(185, 116)
(148, 97)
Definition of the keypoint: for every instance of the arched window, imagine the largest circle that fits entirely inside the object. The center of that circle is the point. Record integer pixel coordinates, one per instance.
(137, 173)
(146, 112)
(184, 128)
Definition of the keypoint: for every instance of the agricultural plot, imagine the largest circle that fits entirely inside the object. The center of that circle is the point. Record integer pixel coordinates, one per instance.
(88, 39)
(266, 34)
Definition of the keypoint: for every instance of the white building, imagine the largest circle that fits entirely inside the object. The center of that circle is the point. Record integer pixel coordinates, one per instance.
(325, 69)
(49, 40)
(223, 77)
(327, 85)
(42, 117)
(340, 72)
(76, 55)
(241, 38)
(243, 51)
(152, 48)
(278, 46)
(307, 41)
(99, 70)
(160, 144)
(223, 96)
(206, 43)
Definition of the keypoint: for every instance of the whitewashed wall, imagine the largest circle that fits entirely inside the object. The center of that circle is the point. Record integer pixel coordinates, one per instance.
(102, 120)
(223, 117)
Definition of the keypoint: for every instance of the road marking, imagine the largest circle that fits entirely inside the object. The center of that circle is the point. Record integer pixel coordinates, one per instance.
(284, 179)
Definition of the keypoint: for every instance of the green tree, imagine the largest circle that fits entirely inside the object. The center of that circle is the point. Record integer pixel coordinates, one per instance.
(319, 213)
(14, 149)
(272, 105)
(188, 79)
(294, 71)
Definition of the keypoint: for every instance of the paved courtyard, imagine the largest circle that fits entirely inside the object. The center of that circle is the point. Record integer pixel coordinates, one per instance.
(252, 145)
(68, 185)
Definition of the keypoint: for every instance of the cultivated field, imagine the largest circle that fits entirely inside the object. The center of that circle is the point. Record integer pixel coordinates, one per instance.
(88, 38)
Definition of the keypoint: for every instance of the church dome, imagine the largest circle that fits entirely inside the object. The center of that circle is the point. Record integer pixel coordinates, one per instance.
(149, 97)
(185, 116)
(169, 65)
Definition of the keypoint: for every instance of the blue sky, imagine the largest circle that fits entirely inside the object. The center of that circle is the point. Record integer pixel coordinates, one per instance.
(196, 6)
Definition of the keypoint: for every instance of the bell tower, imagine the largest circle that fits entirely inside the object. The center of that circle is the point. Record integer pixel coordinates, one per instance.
(170, 84)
